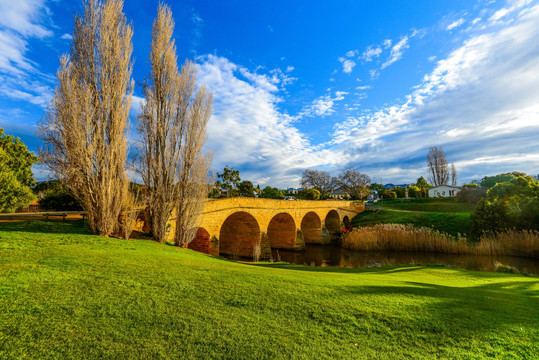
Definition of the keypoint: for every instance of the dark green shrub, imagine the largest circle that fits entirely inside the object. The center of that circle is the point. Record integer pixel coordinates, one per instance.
(508, 205)
(59, 200)
(311, 194)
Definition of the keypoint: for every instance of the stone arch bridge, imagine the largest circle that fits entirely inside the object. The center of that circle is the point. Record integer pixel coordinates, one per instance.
(233, 226)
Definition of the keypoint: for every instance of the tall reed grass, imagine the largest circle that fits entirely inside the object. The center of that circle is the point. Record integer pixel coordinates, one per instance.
(397, 237)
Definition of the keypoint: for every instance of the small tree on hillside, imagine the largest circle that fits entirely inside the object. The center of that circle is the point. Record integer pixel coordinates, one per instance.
(84, 129)
(15, 173)
(14, 193)
(230, 180)
(423, 186)
(246, 188)
(271, 193)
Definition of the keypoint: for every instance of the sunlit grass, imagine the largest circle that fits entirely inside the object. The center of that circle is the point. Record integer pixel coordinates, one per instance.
(67, 294)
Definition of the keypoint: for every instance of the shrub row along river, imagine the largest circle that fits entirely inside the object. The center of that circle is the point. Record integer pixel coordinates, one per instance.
(332, 255)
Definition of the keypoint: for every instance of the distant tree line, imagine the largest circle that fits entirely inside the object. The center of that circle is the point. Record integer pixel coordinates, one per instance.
(351, 182)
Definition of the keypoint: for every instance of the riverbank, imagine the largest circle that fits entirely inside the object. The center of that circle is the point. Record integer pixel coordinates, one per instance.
(68, 294)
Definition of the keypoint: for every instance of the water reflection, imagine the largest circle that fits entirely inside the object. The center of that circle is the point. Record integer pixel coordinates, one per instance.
(327, 255)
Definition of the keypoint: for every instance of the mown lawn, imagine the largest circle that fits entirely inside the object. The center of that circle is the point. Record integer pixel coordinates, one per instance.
(427, 204)
(67, 294)
(446, 215)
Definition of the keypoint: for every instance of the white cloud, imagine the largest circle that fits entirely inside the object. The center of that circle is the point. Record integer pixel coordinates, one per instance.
(503, 12)
(20, 76)
(455, 24)
(371, 52)
(387, 43)
(431, 58)
(24, 17)
(66, 37)
(347, 65)
(136, 105)
(364, 87)
(196, 18)
(247, 130)
(396, 52)
(479, 103)
(351, 53)
(289, 69)
(323, 105)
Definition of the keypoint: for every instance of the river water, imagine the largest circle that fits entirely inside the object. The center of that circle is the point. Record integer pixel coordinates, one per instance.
(331, 255)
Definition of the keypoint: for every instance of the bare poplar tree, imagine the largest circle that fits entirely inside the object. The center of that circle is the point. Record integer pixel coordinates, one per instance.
(453, 174)
(438, 171)
(172, 126)
(85, 125)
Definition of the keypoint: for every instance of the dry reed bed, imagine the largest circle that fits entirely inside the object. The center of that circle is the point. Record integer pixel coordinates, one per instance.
(397, 237)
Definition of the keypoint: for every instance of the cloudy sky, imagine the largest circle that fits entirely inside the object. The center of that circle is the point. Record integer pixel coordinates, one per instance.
(369, 85)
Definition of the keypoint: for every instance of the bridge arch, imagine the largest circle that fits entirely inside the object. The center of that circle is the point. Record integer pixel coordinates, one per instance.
(201, 242)
(311, 227)
(238, 235)
(282, 231)
(333, 224)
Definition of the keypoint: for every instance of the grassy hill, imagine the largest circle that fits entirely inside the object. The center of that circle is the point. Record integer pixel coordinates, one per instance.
(67, 294)
(444, 215)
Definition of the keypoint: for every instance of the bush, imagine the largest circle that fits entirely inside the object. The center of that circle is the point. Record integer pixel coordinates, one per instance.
(414, 191)
(13, 194)
(15, 173)
(471, 195)
(271, 193)
(508, 205)
(401, 192)
(389, 195)
(59, 200)
(310, 194)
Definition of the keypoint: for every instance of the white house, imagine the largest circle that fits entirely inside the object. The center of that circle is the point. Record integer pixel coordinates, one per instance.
(444, 191)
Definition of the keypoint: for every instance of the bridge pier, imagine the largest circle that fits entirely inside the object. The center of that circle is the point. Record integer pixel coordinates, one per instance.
(325, 236)
(265, 248)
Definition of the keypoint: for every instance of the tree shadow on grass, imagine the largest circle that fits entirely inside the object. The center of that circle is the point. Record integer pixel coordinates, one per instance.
(46, 227)
(341, 270)
(386, 269)
(494, 319)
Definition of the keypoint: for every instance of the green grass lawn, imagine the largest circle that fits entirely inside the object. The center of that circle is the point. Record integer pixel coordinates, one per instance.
(66, 294)
(427, 204)
(444, 215)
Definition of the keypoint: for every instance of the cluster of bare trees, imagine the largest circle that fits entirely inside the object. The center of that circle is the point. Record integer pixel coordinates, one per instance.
(350, 181)
(439, 173)
(86, 124)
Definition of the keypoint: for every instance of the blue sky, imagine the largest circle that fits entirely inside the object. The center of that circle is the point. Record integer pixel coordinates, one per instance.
(317, 84)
